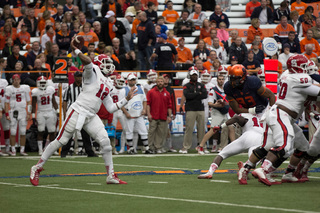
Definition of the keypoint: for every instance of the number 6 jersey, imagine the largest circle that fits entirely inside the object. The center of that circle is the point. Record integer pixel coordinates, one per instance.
(44, 98)
(17, 97)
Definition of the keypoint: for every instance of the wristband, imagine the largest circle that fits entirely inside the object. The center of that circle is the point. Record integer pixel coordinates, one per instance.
(77, 51)
(252, 110)
(33, 115)
(223, 125)
(7, 114)
(29, 108)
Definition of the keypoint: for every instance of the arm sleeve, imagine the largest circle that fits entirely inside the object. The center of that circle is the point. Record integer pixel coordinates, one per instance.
(112, 107)
(87, 71)
(188, 94)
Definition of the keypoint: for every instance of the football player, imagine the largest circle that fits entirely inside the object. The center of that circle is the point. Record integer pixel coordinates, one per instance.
(82, 113)
(17, 100)
(44, 97)
(4, 122)
(151, 76)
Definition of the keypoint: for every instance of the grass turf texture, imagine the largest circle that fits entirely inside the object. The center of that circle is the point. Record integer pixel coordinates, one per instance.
(146, 193)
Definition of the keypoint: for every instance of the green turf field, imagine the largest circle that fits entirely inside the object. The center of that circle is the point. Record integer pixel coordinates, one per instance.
(156, 183)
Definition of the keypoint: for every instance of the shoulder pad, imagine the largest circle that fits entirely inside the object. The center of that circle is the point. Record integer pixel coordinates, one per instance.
(253, 82)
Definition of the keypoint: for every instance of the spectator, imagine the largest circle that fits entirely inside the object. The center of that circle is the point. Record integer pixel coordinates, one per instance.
(49, 6)
(3, 66)
(310, 10)
(76, 28)
(97, 29)
(209, 40)
(270, 5)
(23, 37)
(31, 22)
(128, 61)
(201, 51)
(67, 18)
(225, 5)
(222, 34)
(310, 40)
(151, 11)
(309, 52)
(294, 42)
(316, 30)
(233, 35)
(24, 12)
(170, 15)
(57, 26)
(91, 48)
(7, 50)
(145, 5)
(89, 36)
(146, 41)
(159, 111)
(42, 22)
(184, 53)
(307, 24)
(197, 16)
(283, 10)
(299, 6)
(283, 57)
(101, 47)
(254, 30)
(68, 6)
(263, 13)
(170, 39)
(14, 57)
(112, 28)
(294, 15)
(111, 5)
(83, 19)
(188, 5)
(48, 36)
(250, 7)
(218, 16)
(6, 33)
(205, 29)
(136, 7)
(251, 64)
(212, 64)
(6, 13)
(184, 27)
(258, 53)
(43, 59)
(109, 52)
(220, 51)
(55, 52)
(165, 52)
(238, 49)
(164, 27)
(127, 4)
(134, 32)
(58, 17)
(199, 65)
(63, 38)
(75, 12)
(127, 36)
(194, 92)
(116, 47)
(31, 56)
(34, 76)
(282, 30)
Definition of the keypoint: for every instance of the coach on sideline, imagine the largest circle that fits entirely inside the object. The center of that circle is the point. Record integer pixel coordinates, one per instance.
(159, 110)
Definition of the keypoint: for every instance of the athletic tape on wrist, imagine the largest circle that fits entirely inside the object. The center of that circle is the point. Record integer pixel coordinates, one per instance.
(77, 51)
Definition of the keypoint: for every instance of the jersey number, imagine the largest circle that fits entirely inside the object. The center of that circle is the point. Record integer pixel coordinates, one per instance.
(115, 99)
(256, 122)
(103, 92)
(18, 97)
(45, 100)
(283, 90)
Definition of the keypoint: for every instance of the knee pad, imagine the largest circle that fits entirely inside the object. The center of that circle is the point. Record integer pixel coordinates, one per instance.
(22, 129)
(105, 145)
(277, 151)
(279, 162)
(260, 152)
(13, 130)
(299, 154)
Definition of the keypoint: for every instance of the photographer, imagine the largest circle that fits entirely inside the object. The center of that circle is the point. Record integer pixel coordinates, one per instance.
(184, 27)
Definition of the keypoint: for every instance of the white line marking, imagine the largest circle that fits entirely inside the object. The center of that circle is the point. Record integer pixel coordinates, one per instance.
(167, 198)
(156, 182)
(231, 163)
(313, 177)
(220, 181)
(96, 184)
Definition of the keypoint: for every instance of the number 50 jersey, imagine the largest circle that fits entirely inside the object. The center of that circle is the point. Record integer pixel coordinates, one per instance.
(44, 98)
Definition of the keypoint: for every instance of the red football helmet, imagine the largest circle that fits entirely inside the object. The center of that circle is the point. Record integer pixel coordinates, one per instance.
(152, 75)
(237, 75)
(42, 82)
(205, 76)
(312, 68)
(297, 64)
(119, 82)
(105, 64)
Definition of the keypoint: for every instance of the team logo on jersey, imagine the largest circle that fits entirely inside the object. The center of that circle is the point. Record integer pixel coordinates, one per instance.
(136, 105)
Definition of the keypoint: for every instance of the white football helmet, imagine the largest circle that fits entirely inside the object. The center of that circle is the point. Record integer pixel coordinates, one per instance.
(152, 75)
(42, 83)
(205, 76)
(312, 68)
(119, 82)
(105, 64)
(223, 71)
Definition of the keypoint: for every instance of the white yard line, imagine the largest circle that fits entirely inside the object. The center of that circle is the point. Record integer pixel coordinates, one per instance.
(313, 177)
(156, 182)
(166, 198)
(220, 181)
(95, 184)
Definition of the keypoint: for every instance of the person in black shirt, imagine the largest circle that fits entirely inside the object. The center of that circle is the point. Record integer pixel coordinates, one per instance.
(251, 64)
(151, 13)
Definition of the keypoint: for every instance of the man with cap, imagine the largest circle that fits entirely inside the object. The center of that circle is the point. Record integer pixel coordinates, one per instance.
(127, 21)
(164, 52)
(194, 93)
(111, 28)
(184, 56)
(70, 96)
(17, 100)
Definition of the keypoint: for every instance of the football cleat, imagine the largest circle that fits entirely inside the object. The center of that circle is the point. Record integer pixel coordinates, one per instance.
(304, 176)
(269, 177)
(182, 151)
(172, 150)
(243, 176)
(12, 153)
(23, 154)
(34, 175)
(200, 150)
(290, 178)
(298, 172)
(121, 151)
(131, 151)
(3, 154)
(205, 176)
(113, 179)
(261, 175)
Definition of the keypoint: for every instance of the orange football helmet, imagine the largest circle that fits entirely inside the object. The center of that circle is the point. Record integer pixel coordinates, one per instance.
(237, 75)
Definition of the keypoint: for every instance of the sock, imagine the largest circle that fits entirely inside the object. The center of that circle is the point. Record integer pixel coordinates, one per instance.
(130, 143)
(107, 157)
(135, 140)
(22, 149)
(267, 166)
(13, 149)
(169, 142)
(40, 145)
(145, 142)
(306, 166)
(51, 148)
(212, 168)
(214, 144)
(123, 140)
(248, 165)
(290, 168)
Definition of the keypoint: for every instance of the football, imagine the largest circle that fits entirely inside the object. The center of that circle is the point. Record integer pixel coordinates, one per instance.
(78, 41)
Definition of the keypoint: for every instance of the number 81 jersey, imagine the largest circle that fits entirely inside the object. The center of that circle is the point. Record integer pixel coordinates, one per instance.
(44, 98)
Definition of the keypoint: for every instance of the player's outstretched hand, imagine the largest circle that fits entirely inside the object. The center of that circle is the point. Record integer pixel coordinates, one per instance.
(133, 92)
(259, 108)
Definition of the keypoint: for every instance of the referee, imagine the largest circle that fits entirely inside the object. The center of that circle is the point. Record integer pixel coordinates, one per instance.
(69, 97)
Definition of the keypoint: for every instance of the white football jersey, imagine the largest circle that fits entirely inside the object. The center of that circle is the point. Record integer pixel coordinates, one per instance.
(17, 97)
(148, 87)
(44, 98)
(252, 124)
(294, 90)
(117, 94)
(3, 85)
(205, 101)
(56, 87)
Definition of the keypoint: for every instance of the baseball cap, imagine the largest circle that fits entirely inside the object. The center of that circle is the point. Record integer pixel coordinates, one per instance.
(162, 35)
(286, 45)
(234, 58)
(129, 14)
(16, 76)
(166, 75)
(78, 74)
(192, 72)
(109, 14)
(182, 38)
(132, 76)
